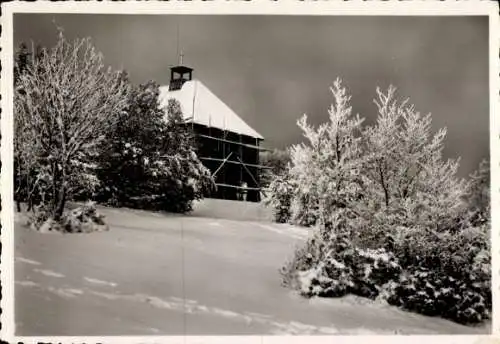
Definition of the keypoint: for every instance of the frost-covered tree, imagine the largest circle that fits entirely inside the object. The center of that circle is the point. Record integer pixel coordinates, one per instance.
(407, 182)
(326, 168)
(392, 171)
(65, 102)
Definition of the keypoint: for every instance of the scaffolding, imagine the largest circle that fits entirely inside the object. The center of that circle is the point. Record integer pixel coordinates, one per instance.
(233, 160)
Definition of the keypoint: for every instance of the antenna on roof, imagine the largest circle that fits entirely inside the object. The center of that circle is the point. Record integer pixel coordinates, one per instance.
(180, 53)
(177, 51)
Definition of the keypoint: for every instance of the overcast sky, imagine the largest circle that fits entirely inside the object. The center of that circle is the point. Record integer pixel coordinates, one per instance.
(272, 69)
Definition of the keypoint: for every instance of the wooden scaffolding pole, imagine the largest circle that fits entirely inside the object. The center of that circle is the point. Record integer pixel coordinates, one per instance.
(257, 147)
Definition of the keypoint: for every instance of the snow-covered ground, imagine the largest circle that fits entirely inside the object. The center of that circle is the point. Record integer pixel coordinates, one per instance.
(157, 274)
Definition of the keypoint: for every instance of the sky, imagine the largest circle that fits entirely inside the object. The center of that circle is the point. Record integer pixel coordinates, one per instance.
(273, 69)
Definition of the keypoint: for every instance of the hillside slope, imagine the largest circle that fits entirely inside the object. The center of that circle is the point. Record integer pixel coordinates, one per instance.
(156, 274)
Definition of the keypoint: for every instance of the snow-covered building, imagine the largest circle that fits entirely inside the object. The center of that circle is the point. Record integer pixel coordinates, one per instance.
(226, 145)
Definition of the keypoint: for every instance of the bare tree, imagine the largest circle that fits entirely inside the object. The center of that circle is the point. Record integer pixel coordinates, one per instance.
(65, 101)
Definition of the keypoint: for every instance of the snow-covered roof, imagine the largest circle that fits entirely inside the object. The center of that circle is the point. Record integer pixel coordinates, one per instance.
(201, 106)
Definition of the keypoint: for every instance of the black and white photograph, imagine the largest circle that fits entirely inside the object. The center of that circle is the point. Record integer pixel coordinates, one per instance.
(194, 174)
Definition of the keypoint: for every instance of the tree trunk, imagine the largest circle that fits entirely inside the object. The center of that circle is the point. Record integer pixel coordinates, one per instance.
(384, 186)
(59, 193)
(54, 198)
(60, 205)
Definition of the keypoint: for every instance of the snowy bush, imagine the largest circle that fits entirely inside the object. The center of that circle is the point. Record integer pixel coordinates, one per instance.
(38, 216)
(432, 292)
(82, 219)
(446, 274)
(334, 266)
(279, 194)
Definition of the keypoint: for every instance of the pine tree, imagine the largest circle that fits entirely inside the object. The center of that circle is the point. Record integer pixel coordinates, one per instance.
(148, 159)
(192, 179)
(130, 144)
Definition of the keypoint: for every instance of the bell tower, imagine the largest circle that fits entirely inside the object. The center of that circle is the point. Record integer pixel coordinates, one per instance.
(179, 75)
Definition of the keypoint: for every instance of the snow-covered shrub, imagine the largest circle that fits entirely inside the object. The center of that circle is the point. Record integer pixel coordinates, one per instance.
(331, 264)
(305, 258)
(446, 274)
(279, 194)
(432, 292)
(39, 214)
(82, 219)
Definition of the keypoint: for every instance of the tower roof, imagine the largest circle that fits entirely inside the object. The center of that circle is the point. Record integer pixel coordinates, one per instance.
(199, 105)
(181, 69)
